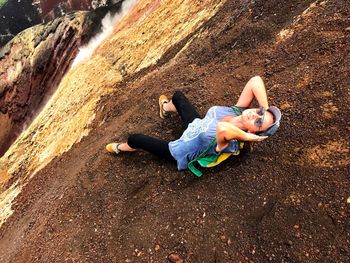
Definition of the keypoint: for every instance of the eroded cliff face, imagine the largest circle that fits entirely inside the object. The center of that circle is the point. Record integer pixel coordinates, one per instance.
(51, 9)
(139, 40)
(31, 67)
(16, 16)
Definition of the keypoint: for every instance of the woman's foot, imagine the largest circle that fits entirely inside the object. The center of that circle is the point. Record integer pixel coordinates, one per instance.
(113, 148)
(163, 100)
(118, 147)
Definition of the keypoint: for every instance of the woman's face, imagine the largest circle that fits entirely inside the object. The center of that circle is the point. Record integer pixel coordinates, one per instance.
(255, 120)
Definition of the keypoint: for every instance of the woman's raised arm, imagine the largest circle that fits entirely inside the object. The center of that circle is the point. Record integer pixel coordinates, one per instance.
(255, 88)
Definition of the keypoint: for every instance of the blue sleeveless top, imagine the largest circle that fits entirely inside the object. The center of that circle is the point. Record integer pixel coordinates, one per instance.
(198, 135)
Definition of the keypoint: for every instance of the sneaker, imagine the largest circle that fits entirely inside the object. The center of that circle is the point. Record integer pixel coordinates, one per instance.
(162, 99)
(113, 148)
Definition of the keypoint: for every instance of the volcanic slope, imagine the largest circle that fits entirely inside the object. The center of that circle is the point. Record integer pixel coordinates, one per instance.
(284, 202)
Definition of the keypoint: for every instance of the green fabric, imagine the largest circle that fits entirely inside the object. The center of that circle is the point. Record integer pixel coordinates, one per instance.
(205, 161)
(237, 110)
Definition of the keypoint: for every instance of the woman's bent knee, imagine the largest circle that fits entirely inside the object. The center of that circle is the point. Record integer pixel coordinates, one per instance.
(178, 95)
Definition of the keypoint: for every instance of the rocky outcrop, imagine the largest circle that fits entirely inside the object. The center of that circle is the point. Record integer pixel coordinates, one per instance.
(16, 16)
(51, 9)
(33, 64)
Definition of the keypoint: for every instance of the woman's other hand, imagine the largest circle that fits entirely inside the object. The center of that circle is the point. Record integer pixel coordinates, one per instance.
(255, 138)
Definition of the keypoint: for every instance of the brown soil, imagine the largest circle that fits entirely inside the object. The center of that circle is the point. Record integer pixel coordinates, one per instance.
(285, 202)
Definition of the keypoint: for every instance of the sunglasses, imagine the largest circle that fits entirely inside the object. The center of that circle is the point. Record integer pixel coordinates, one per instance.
(261, 112)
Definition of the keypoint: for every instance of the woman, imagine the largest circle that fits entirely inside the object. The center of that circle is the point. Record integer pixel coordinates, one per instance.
(226, 124)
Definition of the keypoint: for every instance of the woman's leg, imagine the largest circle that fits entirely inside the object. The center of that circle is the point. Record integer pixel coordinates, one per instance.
(180, 104)
(150, 144)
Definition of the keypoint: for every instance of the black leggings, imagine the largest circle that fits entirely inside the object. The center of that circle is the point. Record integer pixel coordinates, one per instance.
(161, 147)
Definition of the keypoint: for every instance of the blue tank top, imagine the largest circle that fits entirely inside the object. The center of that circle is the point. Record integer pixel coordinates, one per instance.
(198, 135)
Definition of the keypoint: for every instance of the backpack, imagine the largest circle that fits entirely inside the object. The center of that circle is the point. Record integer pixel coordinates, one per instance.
(210, 160)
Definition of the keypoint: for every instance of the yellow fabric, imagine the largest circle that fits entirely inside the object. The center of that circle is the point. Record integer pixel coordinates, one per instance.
(221, 158)
(224, 156)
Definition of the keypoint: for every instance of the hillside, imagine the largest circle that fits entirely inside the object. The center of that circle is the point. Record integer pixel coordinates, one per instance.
(64, 199)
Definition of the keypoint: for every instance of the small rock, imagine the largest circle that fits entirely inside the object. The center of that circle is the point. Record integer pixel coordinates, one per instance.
(223, 238)
(238, 76)
(157, 247)
(285, 106)
(348, 200)
(289, 243)
(297, 150)
(175, 258)
(347, 29)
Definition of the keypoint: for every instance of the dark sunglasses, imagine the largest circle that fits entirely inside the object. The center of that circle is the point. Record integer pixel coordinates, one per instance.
(261, 112)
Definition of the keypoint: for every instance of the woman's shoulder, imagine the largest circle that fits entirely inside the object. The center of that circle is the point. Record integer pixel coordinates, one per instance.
(220, 108)
(221, 111)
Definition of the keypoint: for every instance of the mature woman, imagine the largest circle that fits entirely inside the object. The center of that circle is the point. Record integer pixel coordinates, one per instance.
(227, 124)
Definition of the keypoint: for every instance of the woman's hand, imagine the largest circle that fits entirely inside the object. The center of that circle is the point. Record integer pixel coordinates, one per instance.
(220, 147)
(255, 138)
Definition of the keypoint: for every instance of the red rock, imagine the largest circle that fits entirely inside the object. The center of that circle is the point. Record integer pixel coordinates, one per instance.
(31, 67)
(175, 258)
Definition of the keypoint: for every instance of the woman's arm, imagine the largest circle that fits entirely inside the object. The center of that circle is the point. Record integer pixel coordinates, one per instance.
(226, 132)
(255, 87)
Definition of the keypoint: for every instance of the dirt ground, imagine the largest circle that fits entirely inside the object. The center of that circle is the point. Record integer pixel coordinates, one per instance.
(284, 202)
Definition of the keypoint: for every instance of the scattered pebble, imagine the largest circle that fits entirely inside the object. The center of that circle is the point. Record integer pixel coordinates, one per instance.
(157, 247)
(223, 238)
(285, 106)
(175, 258)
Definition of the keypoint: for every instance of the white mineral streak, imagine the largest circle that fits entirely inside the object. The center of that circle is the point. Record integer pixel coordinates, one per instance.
(138, 41)
(108, 23)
